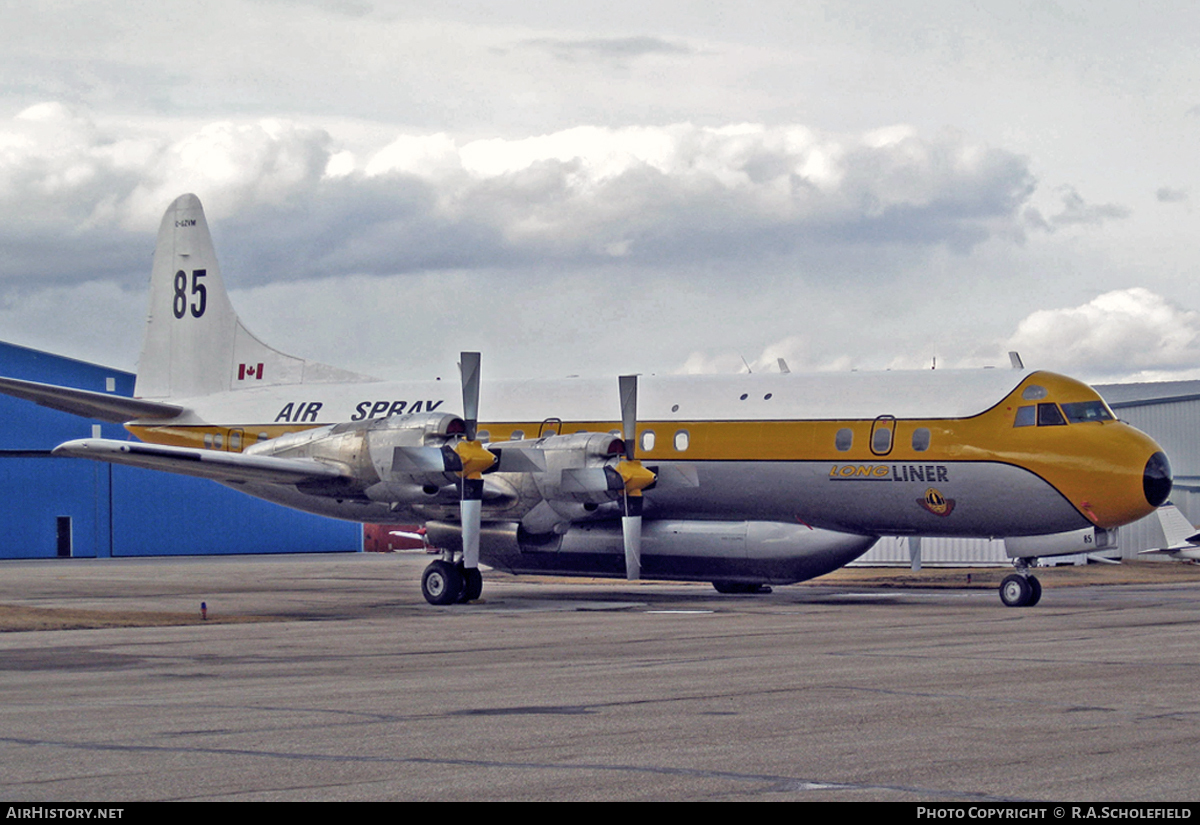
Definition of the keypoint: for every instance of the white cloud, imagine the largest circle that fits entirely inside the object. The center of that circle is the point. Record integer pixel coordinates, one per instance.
(647, 193)
(1133, 334)
(797, 352)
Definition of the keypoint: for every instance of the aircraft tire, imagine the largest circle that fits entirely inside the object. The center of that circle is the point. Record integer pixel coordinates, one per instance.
(1035, 591)
(442, 583)
(738, 587)
(472, 584)
(1015, 591)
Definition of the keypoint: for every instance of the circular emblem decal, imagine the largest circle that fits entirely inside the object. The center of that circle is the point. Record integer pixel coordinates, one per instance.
(936, 503)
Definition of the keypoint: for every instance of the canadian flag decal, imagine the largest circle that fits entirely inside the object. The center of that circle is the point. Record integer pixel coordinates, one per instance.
(249, 371)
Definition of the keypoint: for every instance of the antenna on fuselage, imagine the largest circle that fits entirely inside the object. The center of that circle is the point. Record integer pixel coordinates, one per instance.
(1014, 358)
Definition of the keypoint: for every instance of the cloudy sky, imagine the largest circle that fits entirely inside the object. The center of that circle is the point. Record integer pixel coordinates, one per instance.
(594, 188)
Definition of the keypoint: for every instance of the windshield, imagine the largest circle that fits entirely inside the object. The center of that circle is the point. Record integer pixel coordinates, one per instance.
(1086, 411)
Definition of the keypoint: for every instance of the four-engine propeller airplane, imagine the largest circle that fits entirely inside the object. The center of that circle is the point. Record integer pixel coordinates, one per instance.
(741, 480)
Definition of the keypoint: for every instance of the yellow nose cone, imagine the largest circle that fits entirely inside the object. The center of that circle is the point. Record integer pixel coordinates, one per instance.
(1116, 475)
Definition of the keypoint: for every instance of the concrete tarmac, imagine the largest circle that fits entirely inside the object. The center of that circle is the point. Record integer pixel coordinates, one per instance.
(329, 678)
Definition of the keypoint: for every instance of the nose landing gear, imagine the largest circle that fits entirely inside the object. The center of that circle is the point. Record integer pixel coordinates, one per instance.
(1021, 589)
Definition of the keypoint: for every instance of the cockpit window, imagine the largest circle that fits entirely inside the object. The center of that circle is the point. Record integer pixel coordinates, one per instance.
(1086, 411)
(1049, 415)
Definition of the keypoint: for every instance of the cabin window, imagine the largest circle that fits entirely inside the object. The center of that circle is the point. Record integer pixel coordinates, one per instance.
(682, 440)
(844, 439)
(1050, 416)
(208, 441)
(483, 435)
(920, 439)
(517, 435)
(1086, 411)
(881, 440)
(647, 440)
(235, 440)
(1026, 416)
(264, 437)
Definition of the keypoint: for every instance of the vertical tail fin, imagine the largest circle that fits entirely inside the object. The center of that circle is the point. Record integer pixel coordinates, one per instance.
(1177, 530)
(195, 345)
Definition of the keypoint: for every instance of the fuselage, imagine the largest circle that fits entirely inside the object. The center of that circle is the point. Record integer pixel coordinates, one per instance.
(948, 453)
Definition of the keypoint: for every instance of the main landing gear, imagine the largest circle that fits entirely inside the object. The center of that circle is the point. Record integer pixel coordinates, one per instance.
(1021, 589)
(447, 582)
(740, 587)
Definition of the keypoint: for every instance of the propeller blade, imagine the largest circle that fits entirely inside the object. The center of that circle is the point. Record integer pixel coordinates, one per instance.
(591, 480)
(635, 477)
(628, 385)
(413, 461)
(472, 515)
(470, 388)
(475, 459)
(518, 459)
(631, 529)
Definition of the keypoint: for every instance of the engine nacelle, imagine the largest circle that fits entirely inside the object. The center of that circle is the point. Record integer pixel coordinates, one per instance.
(577, 475)
(409, 461)
(367, 449)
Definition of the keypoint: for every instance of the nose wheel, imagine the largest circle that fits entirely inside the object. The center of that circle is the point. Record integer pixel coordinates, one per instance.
(1020, 589)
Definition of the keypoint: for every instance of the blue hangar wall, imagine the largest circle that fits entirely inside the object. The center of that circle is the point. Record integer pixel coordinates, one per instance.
(50, 506)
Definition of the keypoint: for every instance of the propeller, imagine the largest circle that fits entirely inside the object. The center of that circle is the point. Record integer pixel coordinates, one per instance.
(635, 477)
(475, 459)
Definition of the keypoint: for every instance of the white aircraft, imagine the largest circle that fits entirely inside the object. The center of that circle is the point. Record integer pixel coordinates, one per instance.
(741, 480)
(1182, 538)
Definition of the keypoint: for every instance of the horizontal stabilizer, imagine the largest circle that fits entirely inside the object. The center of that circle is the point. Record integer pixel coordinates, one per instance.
(211, 464)
(101, 406)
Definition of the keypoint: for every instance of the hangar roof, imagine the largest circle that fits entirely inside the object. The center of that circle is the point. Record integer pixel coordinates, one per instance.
(1148, 392)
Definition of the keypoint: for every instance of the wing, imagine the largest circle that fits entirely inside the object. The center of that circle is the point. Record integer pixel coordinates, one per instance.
(98, 405)
(212, 464)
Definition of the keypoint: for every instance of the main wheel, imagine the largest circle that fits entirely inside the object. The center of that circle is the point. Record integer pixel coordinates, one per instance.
(472, 584)
(1015, 591)
(1035, 591)
(442, 583)
(739, 587)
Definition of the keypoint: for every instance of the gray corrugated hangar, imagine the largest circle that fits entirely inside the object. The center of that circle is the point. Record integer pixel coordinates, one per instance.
(71, 507)
(1169, 411)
